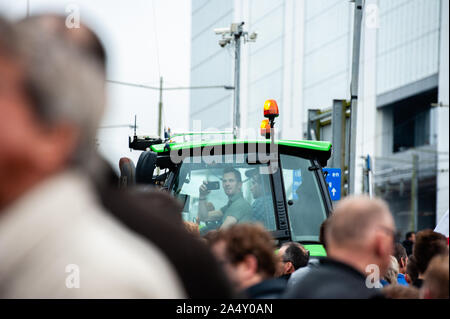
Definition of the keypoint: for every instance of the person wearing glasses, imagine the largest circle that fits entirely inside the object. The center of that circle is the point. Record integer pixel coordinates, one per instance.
(292, 256)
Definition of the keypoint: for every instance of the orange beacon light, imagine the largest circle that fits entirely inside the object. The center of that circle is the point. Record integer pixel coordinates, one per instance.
(271, 109)
(265, 128)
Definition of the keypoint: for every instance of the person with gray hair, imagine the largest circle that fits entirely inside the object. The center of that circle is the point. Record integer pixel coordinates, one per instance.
(151, 214)
(359, 239)
(390, 278)
(56, 239)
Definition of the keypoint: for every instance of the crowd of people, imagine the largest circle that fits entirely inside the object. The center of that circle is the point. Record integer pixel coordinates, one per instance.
(363, 260)
(68, 231)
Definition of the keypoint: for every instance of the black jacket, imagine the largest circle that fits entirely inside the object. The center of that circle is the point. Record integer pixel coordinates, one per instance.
(408, 246)
(332, 280)
(267, 289)
(418, 283)
(156, 216)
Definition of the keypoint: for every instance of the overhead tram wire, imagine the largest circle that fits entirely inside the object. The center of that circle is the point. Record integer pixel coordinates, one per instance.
(148, 87)
(118, 126)
(143, 86)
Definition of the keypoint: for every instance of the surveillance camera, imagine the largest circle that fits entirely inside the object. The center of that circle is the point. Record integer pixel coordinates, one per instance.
(224, 42)
(253, 36)
(222, 30)
(235, 26)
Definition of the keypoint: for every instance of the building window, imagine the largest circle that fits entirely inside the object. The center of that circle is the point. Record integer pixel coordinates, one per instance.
(411, 120)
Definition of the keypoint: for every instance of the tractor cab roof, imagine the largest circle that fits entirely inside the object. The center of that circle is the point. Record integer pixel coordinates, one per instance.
(319, 150)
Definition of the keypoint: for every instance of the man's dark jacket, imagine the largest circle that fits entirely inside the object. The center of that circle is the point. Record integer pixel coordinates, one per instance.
(332, 280)
(156, 216)
(267, 289)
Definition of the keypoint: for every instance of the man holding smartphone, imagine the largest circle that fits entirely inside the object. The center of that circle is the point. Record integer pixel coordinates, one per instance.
(238, 210)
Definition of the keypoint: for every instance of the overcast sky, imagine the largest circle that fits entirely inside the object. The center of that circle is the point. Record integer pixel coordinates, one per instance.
(144, 39)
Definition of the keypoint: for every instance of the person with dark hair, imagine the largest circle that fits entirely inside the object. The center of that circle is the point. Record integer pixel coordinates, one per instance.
(428, 244)
(412, 273)
(402, 259)
(312, 263)
(292, 256)
(408, 243)
(247, 253)
(238, 210)
(262, 205)
(211, 237)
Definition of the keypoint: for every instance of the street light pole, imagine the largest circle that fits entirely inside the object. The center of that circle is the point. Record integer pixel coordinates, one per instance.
(237, 81)
(160, 106)
(234, 34)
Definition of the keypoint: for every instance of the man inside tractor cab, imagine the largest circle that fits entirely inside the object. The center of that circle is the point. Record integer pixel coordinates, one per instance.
(262, 205)
(238, 210)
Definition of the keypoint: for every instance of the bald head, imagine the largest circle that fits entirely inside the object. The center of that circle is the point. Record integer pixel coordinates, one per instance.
(355, 219)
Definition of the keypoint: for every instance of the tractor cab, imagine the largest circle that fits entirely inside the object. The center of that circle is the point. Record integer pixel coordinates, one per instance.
(221, 181)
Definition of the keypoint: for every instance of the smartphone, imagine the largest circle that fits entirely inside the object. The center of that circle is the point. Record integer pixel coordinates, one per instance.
(211, 186)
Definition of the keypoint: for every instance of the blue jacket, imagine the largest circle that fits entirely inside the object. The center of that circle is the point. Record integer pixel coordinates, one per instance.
(401, 280)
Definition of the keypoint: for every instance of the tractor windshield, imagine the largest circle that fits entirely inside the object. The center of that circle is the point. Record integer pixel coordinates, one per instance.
(224, 191)
(229, 190)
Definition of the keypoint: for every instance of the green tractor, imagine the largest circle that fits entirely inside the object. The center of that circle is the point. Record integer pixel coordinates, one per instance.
(277, 183)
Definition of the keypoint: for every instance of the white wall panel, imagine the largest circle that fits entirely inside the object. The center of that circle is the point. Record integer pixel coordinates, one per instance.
(326, 53)
(261, 8)
(408, 41)
(210, 64)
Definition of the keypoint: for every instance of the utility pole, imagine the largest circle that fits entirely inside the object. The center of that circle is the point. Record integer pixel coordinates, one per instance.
(237, 80)
(354, 92)
(160, 106)
(414, 188)
(234, 34)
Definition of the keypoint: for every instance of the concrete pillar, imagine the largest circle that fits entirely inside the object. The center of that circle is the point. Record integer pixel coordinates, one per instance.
(367, 109)
(442, 197)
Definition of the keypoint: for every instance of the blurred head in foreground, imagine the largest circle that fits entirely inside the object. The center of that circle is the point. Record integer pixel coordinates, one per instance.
(400, 292)
(435, 284)
(361, 232)
(52, 97)
(52, 226)
(83, 38)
